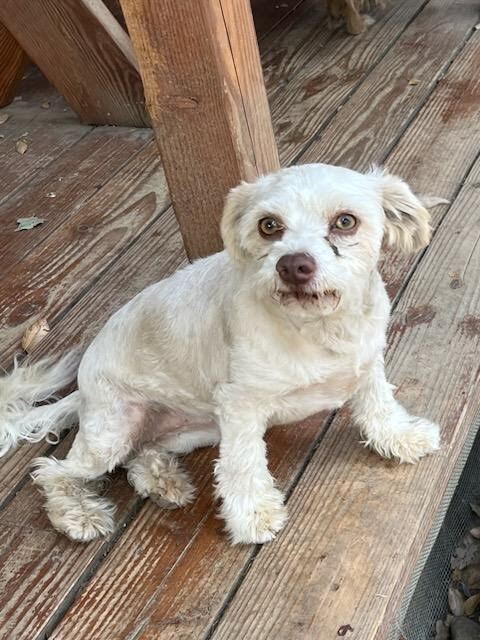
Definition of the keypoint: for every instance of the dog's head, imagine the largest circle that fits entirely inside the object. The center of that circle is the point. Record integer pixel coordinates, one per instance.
(311, 235)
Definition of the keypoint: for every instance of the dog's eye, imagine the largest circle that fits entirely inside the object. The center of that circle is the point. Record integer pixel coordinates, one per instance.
(345, 222)
(270, 227)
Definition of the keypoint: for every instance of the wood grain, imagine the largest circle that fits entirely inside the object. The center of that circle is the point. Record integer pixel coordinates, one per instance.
(97, 74)
(49, 280)
(311, 70)
(360, 533)
(30, 550)
(205, 93)
(181, 596)
(13, 62)
(48, 134)
(355, 137)
(38, 563)
(130, 273)
(64, 186)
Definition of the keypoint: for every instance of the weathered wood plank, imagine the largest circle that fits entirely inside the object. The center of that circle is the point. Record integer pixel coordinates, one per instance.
(356, 137)
(50, 280)
(310, 71)
(30, 546)
(13, 60)
(180, 598)
(205, 93)
(38, 566)
(355, 537)
(97, 75)
(131, 272)
(47, 132)
(61, 188)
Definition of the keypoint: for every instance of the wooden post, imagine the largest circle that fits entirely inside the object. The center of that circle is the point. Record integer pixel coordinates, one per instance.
(85, 54)
(12, 65)
(206, 96)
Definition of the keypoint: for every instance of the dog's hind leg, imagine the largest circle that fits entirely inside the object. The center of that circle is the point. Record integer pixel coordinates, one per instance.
(156, 473)
(73, 506)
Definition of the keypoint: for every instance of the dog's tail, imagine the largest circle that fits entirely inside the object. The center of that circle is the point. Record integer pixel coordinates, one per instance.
(27, 385)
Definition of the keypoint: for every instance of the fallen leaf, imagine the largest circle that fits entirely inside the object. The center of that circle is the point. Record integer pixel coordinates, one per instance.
(441, 631)
(471, 576)
(413, 81)
(467, 552)
(28, 223)
(475, 532)
(45, 105)
(21, 146)
(4, 117)
(34, 335)
(455, 601)
(464, 629)
(51, 194)
(471, 604)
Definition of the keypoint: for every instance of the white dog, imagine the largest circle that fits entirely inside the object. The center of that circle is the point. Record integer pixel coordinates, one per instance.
(290, 320)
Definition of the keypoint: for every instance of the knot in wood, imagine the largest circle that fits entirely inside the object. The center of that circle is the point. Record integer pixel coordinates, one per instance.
(182, 102)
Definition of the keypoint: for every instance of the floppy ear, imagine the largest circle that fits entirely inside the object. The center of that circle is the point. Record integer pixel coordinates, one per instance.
(237, 202)
(407, 221)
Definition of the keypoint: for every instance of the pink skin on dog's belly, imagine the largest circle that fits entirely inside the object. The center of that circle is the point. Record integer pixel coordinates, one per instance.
(160, 423)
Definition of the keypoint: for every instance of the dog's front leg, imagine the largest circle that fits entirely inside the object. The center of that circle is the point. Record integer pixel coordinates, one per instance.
(251, 504)
(385, 425)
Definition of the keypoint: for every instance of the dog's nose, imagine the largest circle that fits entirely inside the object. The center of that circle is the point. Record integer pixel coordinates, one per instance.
(296, 268)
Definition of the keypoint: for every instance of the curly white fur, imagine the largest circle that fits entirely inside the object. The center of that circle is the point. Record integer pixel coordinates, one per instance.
(225, 348)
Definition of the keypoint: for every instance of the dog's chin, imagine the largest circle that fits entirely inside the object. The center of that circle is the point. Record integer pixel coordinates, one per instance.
(308, 302)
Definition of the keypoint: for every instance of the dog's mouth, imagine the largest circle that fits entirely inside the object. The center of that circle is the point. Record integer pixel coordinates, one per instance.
(308, 298)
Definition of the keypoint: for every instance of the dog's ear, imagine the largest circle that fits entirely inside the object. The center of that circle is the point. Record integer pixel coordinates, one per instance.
(237, 203)
(407, 221)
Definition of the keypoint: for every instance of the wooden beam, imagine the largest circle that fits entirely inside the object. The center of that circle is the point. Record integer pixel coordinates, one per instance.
(85, 54)
(205, 93)
(13, 61)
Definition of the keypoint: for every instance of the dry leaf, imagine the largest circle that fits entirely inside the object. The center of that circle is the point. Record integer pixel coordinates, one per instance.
(475, 532)
(21, 146)
(471, 576)
(464, 629)
(34, 335)
(45, 105)
(455, 601)
(471, 604)
(24, 224)
(441, 630)
(466, 553)
(413, 81)
(4, 117)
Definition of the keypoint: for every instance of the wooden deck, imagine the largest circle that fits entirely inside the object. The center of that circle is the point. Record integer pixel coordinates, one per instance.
(407, 94)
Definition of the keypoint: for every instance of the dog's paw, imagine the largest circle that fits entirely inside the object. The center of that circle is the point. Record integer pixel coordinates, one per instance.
(254, 520)
(82, 518)
(408, 442)
(159, 476)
